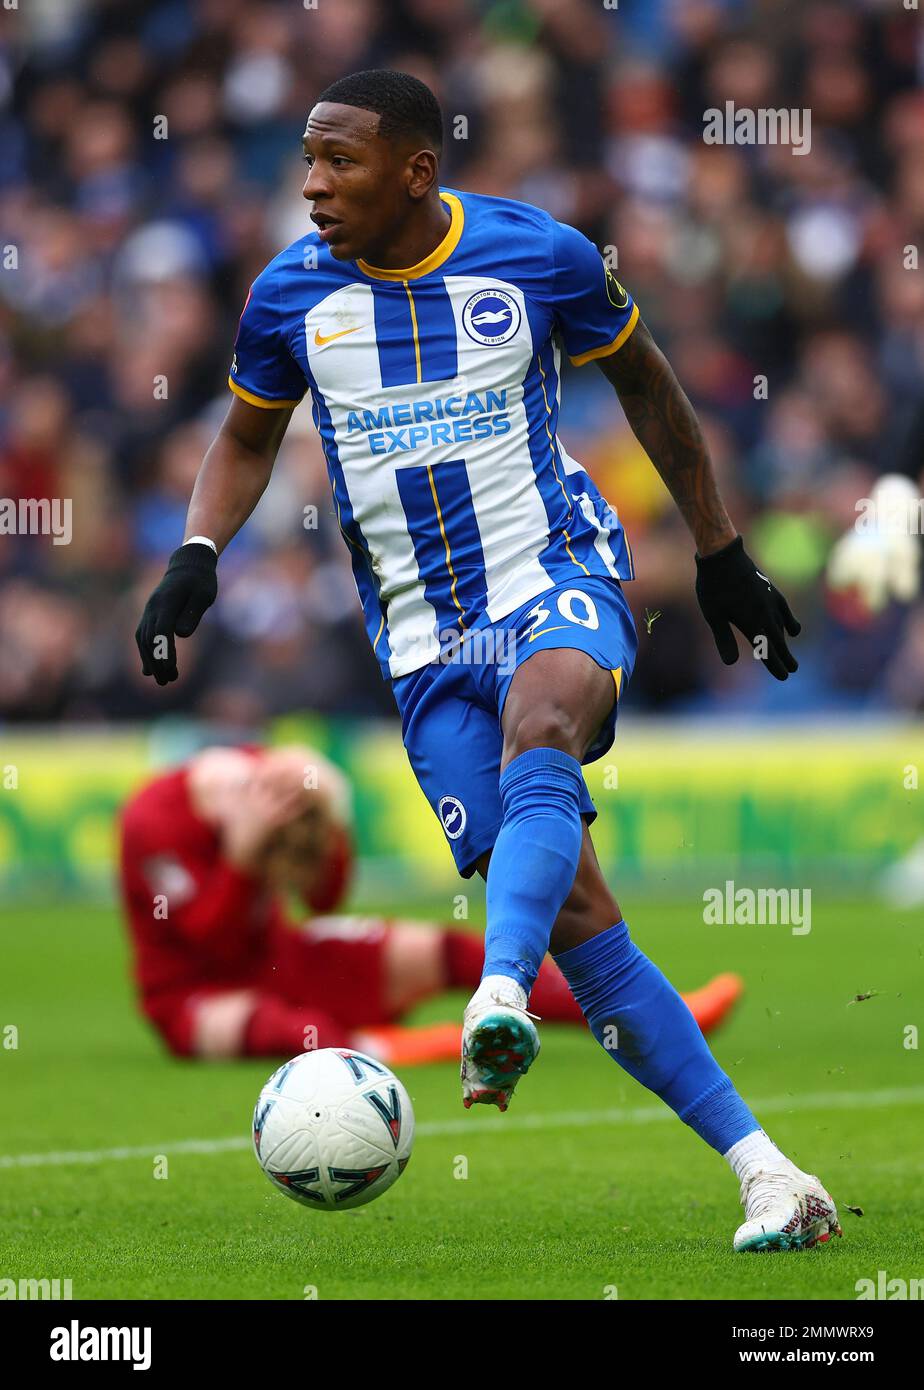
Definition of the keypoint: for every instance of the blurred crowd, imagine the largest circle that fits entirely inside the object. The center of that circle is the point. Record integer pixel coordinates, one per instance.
(149, 168)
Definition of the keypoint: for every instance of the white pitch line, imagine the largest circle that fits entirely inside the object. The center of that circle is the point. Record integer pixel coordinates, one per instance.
(567, 1119)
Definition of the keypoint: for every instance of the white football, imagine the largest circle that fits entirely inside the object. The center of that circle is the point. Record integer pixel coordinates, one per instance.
(333, 1129)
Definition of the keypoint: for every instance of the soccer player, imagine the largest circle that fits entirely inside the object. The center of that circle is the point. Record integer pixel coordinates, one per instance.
(207, 852)
(427, 324)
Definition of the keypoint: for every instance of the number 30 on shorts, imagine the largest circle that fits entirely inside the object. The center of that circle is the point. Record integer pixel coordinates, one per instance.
(572, 604)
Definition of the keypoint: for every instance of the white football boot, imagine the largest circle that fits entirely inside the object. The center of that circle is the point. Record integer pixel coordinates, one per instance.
(499, 1042)
(785, 1209)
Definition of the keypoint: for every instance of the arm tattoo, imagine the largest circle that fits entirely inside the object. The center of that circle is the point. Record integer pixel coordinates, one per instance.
(665, 424)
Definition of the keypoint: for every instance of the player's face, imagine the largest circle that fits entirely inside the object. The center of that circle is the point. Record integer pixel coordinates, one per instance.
(357, 181)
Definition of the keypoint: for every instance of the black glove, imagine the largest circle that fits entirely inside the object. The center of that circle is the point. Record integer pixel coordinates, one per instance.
(174, 609)
(731, 589)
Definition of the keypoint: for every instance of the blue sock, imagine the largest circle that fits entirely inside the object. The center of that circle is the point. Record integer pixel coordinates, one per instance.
(534, 860)
(641, 1020)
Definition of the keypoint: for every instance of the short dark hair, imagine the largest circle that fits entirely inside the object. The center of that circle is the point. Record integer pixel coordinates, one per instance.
(406, 105)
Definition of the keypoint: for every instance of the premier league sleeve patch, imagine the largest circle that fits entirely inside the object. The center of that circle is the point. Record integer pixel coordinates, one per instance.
(593, 311)
(615, 293)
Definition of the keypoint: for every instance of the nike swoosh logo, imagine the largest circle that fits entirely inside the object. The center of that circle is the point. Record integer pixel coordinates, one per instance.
(764, 578)
(543, 630)
(320, 339)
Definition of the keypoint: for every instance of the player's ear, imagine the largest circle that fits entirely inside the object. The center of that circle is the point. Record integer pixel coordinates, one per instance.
(422, 171)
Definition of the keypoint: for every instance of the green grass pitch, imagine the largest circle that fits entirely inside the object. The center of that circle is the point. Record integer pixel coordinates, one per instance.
(586, 1189)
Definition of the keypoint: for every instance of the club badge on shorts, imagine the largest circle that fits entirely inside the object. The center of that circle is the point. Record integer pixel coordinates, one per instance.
(452, 816)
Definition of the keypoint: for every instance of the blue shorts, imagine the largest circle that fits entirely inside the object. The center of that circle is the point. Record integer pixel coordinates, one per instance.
(451, 708)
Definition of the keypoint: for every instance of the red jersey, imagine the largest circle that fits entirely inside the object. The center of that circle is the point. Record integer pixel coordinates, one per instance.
(197, 921)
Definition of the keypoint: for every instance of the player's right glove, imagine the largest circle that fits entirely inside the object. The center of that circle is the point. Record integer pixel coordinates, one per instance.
(731, 589)
(175, 608)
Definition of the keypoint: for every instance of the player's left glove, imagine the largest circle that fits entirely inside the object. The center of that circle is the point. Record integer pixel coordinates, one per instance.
(731, 589)
(175, 608)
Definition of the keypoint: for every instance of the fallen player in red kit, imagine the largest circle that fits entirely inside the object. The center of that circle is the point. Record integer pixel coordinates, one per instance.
(207, 852)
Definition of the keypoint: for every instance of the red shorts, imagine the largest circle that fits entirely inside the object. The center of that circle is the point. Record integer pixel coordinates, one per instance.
(333, 964)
